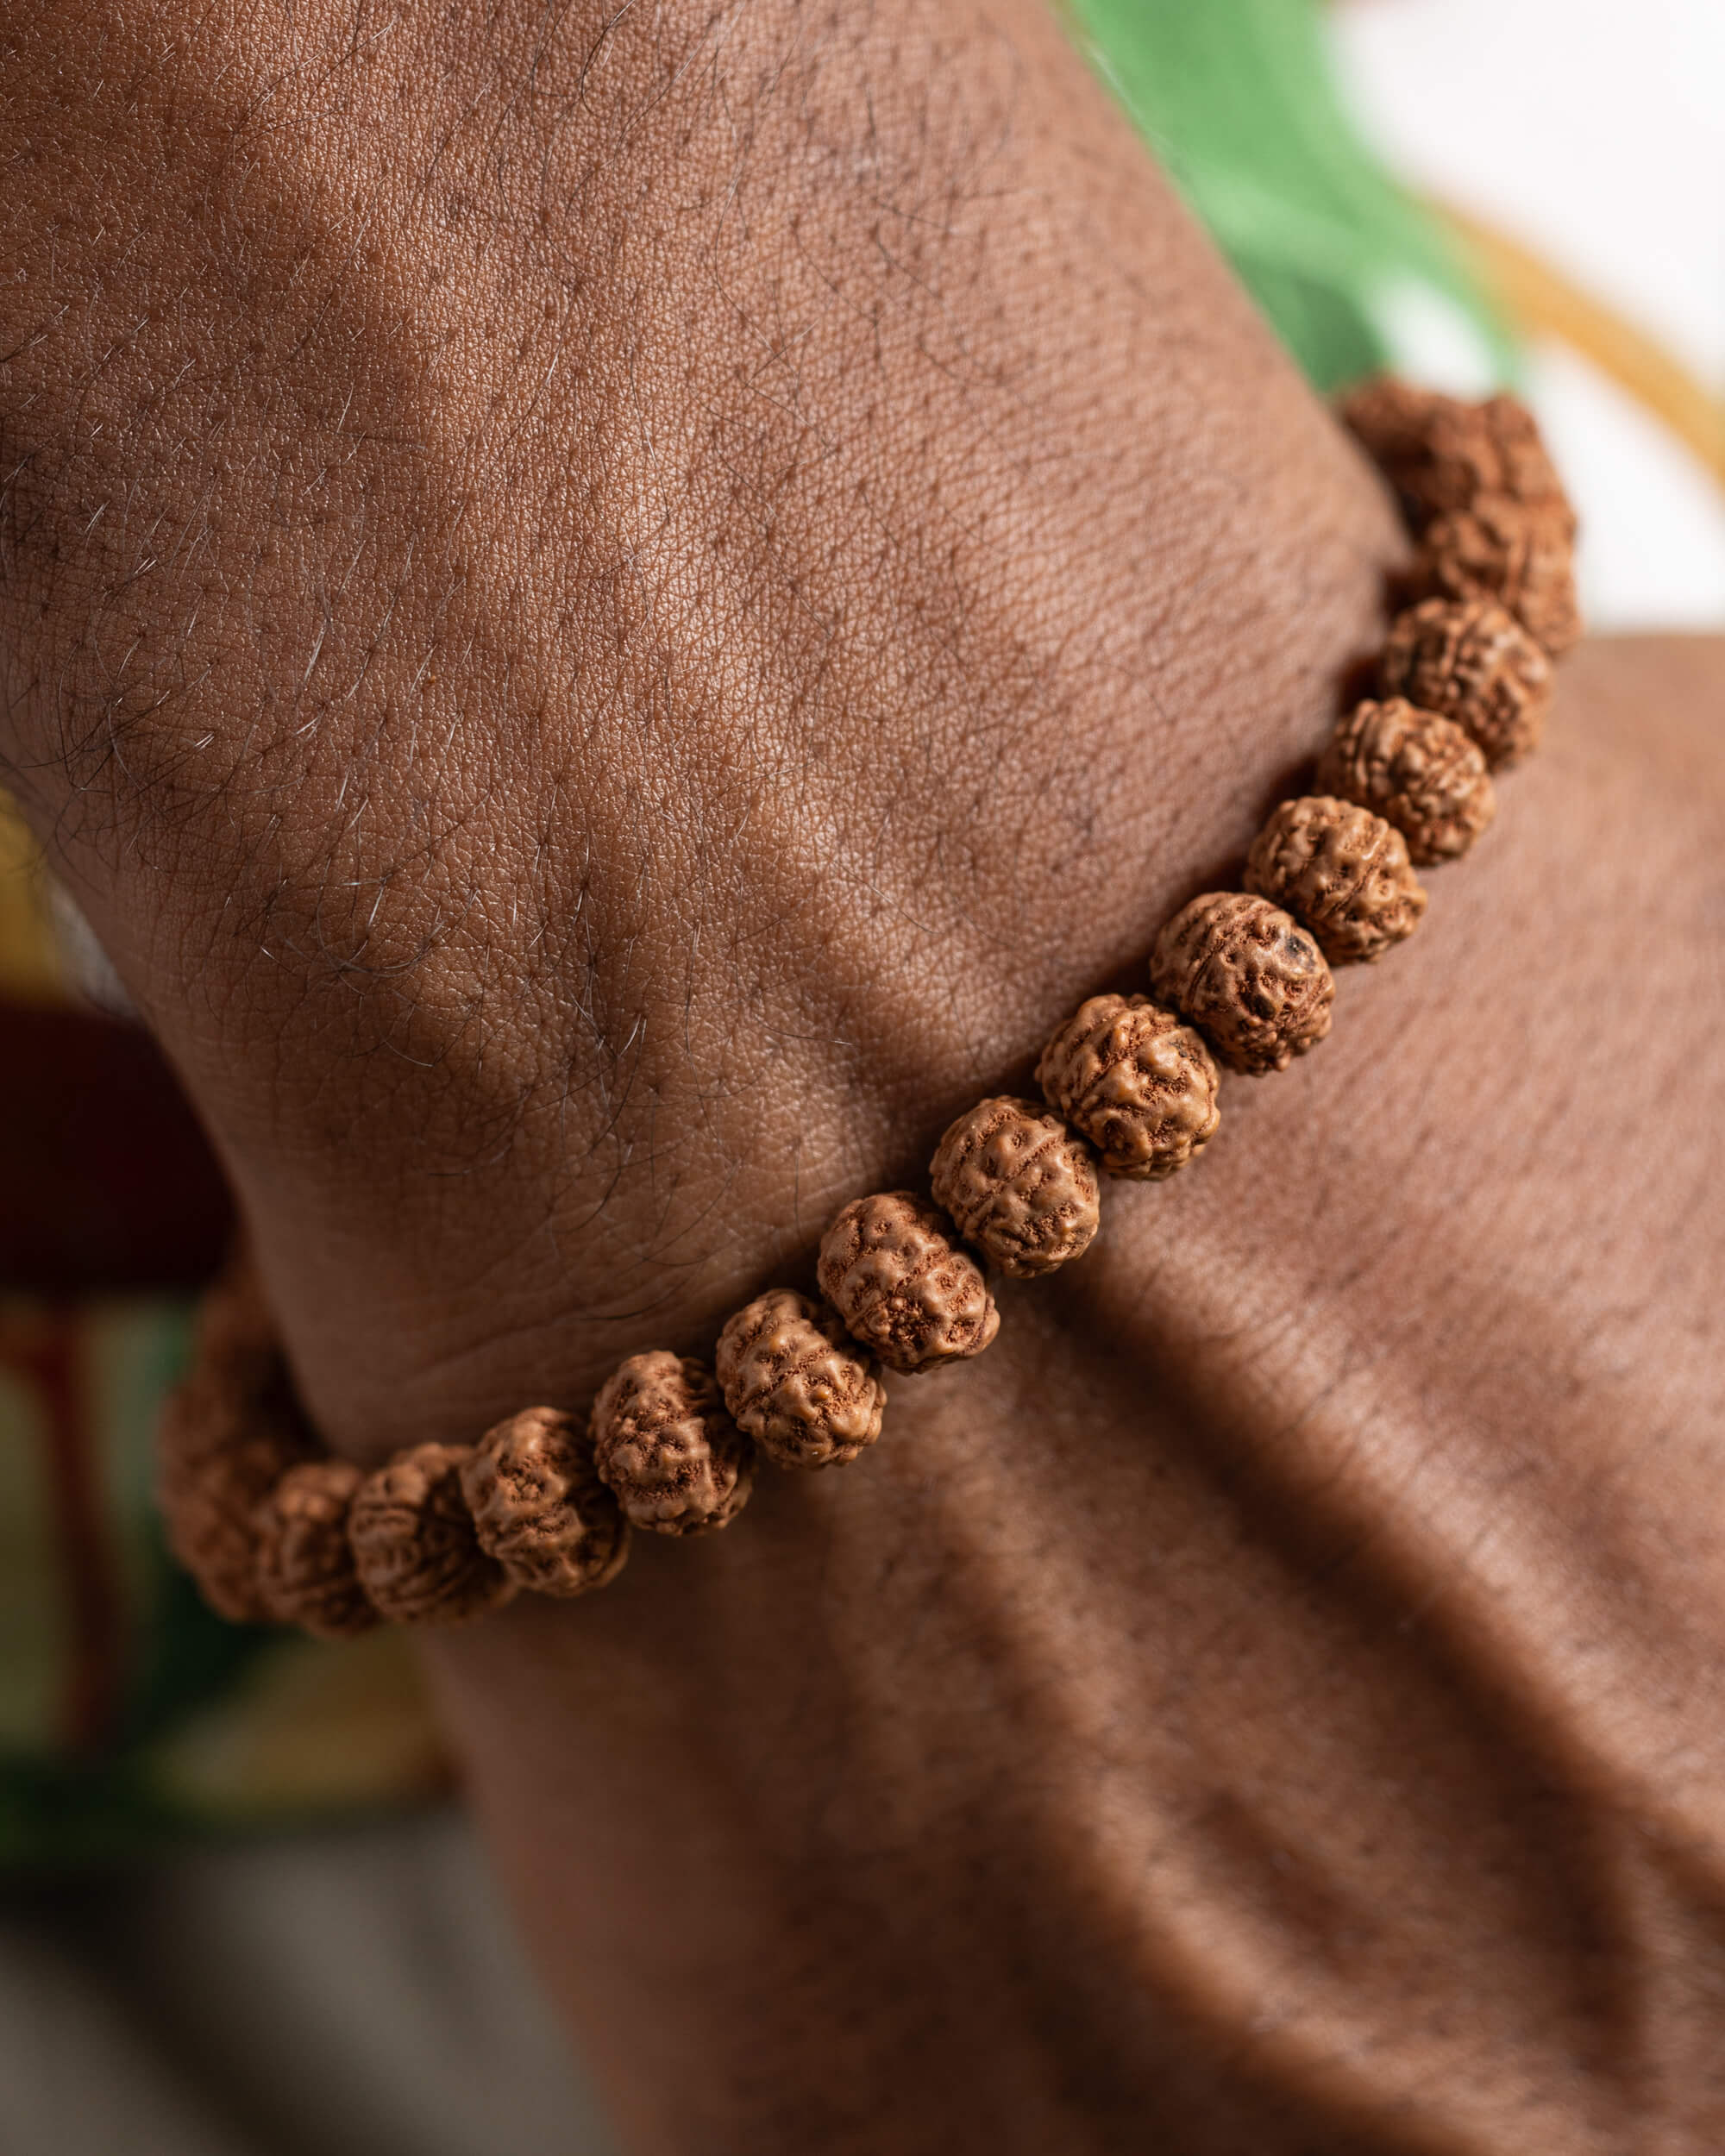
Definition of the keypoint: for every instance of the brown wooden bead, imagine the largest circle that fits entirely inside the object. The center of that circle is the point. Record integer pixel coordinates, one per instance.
(1248, 977)
(1019, 1185)
(1342, 872)
(1134, 1082)
(794, 1384)
(1417, 770)
(307, 1573)
(419, 1559)
(1441, 453)
(539, 1506)
(218, 1460)
(903, 1287)
(1522, 557)
(1471, 661)
(228, 1433)
(664, 1443)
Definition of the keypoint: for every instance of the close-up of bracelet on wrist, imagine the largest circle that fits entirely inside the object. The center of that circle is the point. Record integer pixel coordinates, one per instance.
(770, 1383)
(274, 1530)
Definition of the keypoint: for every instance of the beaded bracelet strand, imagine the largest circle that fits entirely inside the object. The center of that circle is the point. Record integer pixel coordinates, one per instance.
(275, 1529)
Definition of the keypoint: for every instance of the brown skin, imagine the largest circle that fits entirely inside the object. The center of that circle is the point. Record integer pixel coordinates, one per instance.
(611, 625)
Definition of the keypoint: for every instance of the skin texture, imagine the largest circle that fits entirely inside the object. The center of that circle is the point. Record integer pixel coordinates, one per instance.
(612, 621)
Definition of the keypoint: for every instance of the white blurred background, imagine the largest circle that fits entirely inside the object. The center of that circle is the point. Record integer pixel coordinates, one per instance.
(1591, 135)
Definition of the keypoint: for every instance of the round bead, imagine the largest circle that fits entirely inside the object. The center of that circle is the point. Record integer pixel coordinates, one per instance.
(1134, 1082)
(793, 1383)
(1417, 770)
(1341, 870)
(419, 1559)
(1018, 1185)
(1441, 453)
(1248, 977)
(307, 1575)
(1522, 557)
(1472, 661)
(903, 1287)
(665, 1445)
(228, 1433)
(210, 1478)
(539, 1507)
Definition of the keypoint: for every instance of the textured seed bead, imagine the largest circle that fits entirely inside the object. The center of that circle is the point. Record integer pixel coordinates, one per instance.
(1522, 557)
(213, 1471)
(665, 1445)
(1417, 770)
(1342, 872)
(229, 1431)
(1440, 454)
(1019, 1185)
(1136, 1083)
(419, 1559)
(274, 1532)
(794, 1384)
(1248, 977)
(539, 1506)
(1471, 661)
(307, 1573)
(903, 1287)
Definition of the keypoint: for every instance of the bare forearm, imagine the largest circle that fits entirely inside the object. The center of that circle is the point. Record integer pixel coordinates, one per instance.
(1270, 1695)
(627, 613)
(613, 622)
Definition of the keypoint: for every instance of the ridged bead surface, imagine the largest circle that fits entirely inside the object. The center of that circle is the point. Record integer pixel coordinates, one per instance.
(665, 1445)
(1471, 660)
(229, 1431)
(1018, 1184)
(1442, 454)
(1417, 770)
(904, 1289)
(1135, 1082)
(1248, 977)
(307, 1573)
(1342, 872)
(419, 1559)
(795, 1384)
(1523, 558)
(539, 1506)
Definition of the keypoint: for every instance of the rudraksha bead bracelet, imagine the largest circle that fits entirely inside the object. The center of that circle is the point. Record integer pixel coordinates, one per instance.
(273, 1529)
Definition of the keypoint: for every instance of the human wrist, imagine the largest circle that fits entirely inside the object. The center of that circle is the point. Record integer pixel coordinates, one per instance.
(562, 949)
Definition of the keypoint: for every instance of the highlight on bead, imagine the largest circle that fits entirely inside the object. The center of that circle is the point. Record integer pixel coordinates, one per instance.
(1135, 1082)
(419, 1556)
(904, 1290)
(1471, 660)
(795, 1385)
(307, 1572)
(1417, 770)
(1248, 977)
(1441, 453)
(664, 1442)
(540, 1508)
(229, 1430)
(1523, 558)
(1019, 1185)
(1342, 872)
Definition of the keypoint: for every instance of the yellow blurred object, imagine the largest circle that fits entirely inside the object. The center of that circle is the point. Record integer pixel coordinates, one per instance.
(1542, 300)
(312, 1728)
(30, 966)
